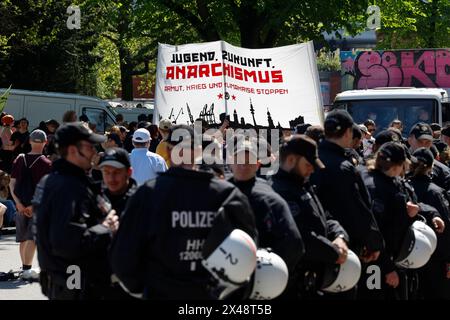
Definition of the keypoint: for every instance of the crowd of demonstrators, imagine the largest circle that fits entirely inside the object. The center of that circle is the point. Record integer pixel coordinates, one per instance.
(341, 197)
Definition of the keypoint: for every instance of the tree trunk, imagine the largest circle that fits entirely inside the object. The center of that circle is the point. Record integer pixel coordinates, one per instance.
(126, 77)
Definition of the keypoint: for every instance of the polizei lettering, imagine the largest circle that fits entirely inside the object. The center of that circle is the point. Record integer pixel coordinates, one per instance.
(193, 219)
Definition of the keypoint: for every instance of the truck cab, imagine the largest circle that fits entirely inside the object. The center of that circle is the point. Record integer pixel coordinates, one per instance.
(383, 105)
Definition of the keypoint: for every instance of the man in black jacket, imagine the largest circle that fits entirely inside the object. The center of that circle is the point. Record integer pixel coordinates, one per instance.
(421, 136)
(72, 233)
(157, 252)
(276, 227)
(118, 186)
(341, 189)
(325, 239)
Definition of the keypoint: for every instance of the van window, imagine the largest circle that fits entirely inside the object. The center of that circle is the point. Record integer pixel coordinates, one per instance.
(409, 111)
(101, 119)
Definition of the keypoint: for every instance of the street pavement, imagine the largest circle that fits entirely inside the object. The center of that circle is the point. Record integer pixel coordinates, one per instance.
(10, 260)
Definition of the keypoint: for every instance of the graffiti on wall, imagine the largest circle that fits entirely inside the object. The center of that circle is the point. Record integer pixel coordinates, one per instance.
(398, 68)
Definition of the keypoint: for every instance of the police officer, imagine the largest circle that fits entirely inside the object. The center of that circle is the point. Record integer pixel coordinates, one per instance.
(394, 214)
(118, 186)
(71, 229)
(325, 239)
(276, 227)
(421, 136)
(434, 276)
(157, 252)
(341, 190)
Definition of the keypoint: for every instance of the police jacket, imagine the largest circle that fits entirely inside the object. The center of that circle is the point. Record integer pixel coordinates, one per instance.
(435, 196)
(118, 202)
(425, 210)
(276, 227)
(389, 208)
(158, 248)
(316, 226)
(441, 175)
(341, 191)
(68, 229)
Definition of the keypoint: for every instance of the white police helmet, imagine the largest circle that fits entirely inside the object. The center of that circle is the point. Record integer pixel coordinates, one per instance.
(416, 250)
(233, 261)
(427, 232)
(270, 277)
(342, 277)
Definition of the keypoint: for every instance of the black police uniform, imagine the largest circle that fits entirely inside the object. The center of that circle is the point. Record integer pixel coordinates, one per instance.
(389, 208)
(158, 248)
(433, 281)
(276, 227)
(318, 231)
(441, 175)
(341, 191)
(68, 232)
(118, 202)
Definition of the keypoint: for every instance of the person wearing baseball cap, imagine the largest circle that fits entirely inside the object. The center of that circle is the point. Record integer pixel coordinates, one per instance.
(341, 190)
(435, 282)
(116, 172)
(298, 160)
(27, 170)
(164, 127)
(166, 224)
(421, 136)
(382, 182)
(145, 164)
(72, 228)
(278, 229)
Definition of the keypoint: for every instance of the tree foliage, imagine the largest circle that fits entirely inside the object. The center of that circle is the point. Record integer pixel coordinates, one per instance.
(39, 52)
(410, 24)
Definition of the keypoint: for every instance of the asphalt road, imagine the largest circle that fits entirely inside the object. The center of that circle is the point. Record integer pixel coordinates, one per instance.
(10, 260)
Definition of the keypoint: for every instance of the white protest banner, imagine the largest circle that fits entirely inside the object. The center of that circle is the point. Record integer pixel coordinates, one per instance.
(256, 87)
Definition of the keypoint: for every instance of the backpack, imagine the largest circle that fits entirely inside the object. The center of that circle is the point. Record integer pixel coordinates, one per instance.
(24, 188)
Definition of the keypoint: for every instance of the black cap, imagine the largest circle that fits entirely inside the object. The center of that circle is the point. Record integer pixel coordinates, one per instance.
(387, 136)
(446, 131)
(425, 156)
(422, 131)
(52, 122)
(435, 127)
(338, 121)
(440, 145)
(392, 152)
(73, 132)
(303, 146)
(115, 157)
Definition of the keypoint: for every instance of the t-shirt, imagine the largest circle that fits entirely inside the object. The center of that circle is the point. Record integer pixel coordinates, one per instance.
(39, 169)
(161, 149)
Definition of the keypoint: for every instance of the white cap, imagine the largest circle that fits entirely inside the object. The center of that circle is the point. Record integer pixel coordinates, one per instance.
(141, 135)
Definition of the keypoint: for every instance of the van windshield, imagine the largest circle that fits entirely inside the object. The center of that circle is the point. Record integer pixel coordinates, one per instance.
(383, 112)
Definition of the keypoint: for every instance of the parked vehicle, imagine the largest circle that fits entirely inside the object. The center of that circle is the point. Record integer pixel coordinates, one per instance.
(410, 105)
(39, 106)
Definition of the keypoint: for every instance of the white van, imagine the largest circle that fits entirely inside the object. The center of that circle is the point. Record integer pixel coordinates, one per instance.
(410, 105)
(39, 106)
